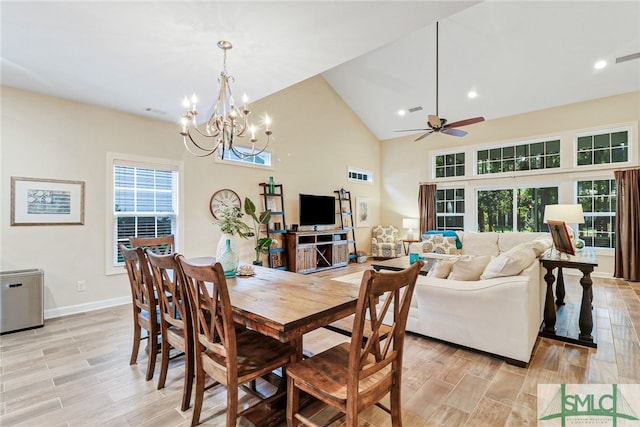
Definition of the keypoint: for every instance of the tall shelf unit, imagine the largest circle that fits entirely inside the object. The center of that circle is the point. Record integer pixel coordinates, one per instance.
(345, 210)
(277, 227)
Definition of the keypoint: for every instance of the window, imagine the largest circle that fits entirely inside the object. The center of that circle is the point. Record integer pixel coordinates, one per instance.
(360, 175)
(262, 159)
(598, 200)
(522, 157)
(450, 209)
(602, 148)
(520, 209)
(448, 165)
(144, 202)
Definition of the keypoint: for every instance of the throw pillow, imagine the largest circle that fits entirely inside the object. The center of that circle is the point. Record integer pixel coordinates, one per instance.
(440, 245)
(445, 233)
(441, 268)
(510, 263)
(541, 245)
(469, 267)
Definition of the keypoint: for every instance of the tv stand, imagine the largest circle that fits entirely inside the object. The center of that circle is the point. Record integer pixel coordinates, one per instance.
(311, 251)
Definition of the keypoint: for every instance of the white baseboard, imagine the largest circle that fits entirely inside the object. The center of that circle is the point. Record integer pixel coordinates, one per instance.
(81, 308)
(574, 272)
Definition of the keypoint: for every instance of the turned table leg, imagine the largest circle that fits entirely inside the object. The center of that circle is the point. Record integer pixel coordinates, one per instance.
(586, 319)
(560, 288)
(549, 308)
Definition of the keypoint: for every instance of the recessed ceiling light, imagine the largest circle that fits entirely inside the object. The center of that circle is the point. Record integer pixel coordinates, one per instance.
(600, 64)
(401, 113)
(472, 94)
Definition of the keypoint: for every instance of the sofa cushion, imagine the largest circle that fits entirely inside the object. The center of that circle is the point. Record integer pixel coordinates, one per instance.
(480, 244)
(469, 267)
(510, 240)
(511, 262)
(439, 244)
(441, 268)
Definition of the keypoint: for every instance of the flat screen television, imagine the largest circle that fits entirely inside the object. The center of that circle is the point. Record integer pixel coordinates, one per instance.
(317, 210)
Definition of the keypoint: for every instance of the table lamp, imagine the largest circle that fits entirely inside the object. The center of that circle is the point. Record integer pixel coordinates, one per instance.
(410, 224)
(570, 214)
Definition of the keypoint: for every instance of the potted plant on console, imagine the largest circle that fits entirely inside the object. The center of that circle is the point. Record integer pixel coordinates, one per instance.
(262, 243)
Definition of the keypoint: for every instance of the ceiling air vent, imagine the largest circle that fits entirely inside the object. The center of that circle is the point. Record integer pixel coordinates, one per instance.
(628, 57)
(414, 109)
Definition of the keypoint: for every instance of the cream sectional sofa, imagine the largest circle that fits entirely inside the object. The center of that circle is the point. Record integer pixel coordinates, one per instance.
(499, 313)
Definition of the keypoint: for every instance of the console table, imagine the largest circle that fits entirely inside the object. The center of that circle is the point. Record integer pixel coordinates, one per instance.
(585, 261)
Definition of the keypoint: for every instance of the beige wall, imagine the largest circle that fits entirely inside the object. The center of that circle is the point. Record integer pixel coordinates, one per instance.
(406, 163)
(317, 139)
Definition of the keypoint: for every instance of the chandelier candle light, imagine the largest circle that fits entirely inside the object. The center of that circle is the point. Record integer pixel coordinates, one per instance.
(227, 122)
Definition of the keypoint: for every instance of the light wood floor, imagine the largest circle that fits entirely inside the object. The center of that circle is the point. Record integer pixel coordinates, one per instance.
(75, 372)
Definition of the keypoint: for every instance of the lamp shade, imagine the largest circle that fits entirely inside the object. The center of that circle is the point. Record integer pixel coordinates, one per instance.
(571, 214)
(410, 223)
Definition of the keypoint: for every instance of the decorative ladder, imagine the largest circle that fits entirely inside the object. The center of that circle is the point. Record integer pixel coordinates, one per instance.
(345, 210)
(277, 227)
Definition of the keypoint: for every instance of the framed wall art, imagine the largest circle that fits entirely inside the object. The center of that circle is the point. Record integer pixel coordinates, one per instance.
(37, 201)
(363, 212)
(560, 236)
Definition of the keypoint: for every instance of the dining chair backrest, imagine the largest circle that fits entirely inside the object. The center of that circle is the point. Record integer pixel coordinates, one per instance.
(169, 283)
(159, 245)
(211, 310)
(144, 303)
(383, 297)
(175, 317)
(142, 290)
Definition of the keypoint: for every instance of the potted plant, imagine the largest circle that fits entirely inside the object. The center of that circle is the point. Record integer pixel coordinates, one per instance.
(231, 224)
(262, 243)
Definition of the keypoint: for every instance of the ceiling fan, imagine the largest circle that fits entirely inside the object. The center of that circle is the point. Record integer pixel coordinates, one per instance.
(439, 124)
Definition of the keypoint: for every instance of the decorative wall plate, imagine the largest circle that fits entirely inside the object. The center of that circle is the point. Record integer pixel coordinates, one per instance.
(222, 198)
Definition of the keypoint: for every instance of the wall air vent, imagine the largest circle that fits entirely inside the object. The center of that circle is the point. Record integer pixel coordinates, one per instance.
(414, 109)
(628, 57)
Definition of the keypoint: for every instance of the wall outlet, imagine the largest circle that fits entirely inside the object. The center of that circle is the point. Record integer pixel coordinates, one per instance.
(81, 286)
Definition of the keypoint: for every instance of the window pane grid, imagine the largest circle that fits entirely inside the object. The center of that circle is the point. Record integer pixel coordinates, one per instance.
(449, 165)
(144, 204)
(450, 209)
(602, 148)
(521, 157)
(598, 200)
(514, 209)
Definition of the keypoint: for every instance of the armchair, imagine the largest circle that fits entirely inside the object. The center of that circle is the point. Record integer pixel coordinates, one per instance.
(386, 243)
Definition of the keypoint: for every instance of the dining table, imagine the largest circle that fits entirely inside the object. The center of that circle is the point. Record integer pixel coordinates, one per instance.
(285, 306)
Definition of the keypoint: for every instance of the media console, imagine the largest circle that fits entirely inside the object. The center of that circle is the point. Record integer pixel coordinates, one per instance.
(311, 251)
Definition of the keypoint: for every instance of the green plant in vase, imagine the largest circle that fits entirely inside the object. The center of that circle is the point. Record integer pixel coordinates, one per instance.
(262, 243)
(231, 224)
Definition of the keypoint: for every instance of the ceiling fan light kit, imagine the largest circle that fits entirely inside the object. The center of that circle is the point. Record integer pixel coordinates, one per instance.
(439, 124)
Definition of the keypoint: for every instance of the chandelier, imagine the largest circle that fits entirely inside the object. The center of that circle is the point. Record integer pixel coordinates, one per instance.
(227, 122)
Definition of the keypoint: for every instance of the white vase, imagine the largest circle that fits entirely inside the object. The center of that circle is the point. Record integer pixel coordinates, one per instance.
(222, 244)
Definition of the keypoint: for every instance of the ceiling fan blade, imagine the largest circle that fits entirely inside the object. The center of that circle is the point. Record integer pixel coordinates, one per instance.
(454, 132)
(465, 122)
(424, 135)
(409, 130)
(434, 121)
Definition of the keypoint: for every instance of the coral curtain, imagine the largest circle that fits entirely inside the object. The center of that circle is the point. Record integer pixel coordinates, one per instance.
(627, 261)
(427, 207)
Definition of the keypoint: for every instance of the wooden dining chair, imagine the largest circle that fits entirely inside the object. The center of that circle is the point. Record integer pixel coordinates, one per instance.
(175, 318)
(163, 245)
(145, 305)
(351, 376)
(229, 357)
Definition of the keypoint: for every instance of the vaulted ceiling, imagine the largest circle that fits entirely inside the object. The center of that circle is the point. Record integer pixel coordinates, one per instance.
(144, 57)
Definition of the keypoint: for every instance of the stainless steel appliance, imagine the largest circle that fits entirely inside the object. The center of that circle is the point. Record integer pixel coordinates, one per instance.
(21, 303)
